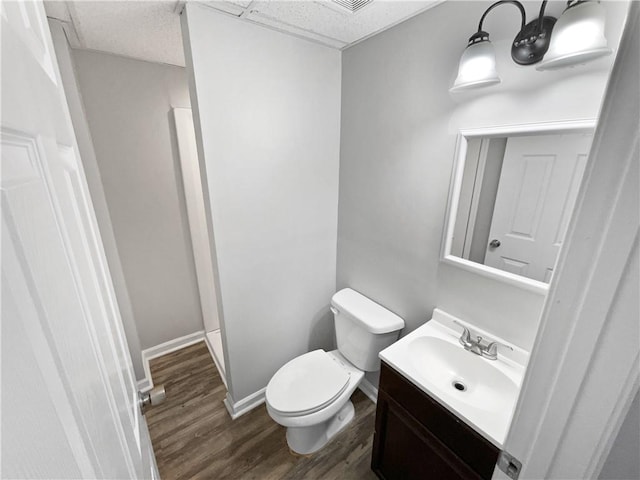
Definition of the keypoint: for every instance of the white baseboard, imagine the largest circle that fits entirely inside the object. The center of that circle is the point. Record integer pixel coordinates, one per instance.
(145, 384)
(159, 350)
(369, 390)
(243, 406)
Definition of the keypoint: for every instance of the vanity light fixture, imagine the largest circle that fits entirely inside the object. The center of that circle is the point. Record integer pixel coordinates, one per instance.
(578, 37)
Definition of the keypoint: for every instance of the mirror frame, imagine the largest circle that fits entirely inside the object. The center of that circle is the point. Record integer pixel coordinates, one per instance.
(570, 126)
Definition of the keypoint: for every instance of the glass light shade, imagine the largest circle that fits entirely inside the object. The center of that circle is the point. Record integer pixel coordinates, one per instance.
(477, 67)
(577, 37)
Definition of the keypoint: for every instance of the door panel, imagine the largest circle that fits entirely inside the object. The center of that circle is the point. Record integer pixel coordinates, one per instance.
(70, 386)
(530, 190)
(538, 187)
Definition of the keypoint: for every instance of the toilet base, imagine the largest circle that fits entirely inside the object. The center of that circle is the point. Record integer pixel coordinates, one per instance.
(306, 440)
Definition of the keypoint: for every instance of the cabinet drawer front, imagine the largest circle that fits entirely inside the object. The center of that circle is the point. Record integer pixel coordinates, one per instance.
(477, 452)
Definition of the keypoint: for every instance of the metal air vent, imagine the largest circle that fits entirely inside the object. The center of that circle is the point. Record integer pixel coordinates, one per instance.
(352, 5)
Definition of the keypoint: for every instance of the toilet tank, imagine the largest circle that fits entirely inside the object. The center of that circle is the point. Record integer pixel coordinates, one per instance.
(363, 328)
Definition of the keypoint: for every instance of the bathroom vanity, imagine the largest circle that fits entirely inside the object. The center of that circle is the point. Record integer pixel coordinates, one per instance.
(417, 438)
(443, 412)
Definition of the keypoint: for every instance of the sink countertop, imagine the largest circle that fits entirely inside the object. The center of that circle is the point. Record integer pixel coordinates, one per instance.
(493, 386)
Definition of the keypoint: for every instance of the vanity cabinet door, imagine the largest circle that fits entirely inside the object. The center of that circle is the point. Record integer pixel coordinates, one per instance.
(405, 450)
(416, 437)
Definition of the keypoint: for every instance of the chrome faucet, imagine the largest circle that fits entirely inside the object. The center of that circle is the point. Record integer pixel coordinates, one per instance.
(489, 351)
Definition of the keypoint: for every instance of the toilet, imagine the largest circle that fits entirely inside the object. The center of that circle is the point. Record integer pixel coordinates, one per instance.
(310, 395)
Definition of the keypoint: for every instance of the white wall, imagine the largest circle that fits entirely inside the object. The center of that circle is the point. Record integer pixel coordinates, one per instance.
(268, 124)
(94, 180)
(128, 107)
(197, 215)
(399, 128)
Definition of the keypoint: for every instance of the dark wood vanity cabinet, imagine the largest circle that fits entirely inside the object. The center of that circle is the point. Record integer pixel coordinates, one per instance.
(417, 438)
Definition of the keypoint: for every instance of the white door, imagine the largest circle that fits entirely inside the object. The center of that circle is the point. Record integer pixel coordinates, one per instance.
(69, 402)
(538, 186)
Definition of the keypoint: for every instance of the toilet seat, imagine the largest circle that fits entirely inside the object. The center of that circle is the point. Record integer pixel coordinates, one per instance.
(307, 384)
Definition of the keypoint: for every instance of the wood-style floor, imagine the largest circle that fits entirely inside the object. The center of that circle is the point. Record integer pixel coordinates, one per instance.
(194, 437)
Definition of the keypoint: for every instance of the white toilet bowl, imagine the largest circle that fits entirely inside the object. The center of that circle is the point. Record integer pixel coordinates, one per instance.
(310, 396)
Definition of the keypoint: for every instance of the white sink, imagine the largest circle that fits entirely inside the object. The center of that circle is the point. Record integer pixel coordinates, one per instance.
(481, 392)
(461, 375)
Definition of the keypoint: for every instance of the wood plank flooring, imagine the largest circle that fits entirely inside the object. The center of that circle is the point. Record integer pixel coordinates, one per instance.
(194, 437)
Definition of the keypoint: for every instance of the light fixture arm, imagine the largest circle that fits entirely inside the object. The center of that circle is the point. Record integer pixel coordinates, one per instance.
(532, 40)
(502, 2)
(541, 15)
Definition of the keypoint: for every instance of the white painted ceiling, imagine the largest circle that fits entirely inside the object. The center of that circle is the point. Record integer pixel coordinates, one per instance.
(150, 30)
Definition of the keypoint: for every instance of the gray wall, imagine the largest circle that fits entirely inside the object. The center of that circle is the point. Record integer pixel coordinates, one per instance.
(128, 108)
(399, 128)
(94, 180)
(268, 125)
(623, 461)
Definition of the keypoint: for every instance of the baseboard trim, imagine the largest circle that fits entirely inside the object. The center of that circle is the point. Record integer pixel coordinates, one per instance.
(145, 384)
(239, 408)
(369, 390)
(159, 350)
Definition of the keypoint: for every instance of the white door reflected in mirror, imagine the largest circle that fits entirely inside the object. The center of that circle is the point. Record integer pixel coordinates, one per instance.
(512, 200)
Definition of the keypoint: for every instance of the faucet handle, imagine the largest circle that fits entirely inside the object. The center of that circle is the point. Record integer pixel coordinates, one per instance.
(465, 338)
(491, 350)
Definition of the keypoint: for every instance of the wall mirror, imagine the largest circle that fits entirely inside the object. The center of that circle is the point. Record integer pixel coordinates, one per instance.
(512, 194)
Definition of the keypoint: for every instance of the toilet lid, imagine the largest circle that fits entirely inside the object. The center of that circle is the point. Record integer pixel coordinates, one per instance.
(306, 384)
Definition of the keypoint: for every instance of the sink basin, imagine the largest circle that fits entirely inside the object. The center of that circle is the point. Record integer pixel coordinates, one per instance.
(461, 375)
(481, 392)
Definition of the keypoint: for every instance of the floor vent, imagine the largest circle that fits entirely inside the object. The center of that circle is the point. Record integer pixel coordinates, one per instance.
(352, 5)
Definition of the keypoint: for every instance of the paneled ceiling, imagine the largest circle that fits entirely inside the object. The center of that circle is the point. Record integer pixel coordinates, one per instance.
(150, 30)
